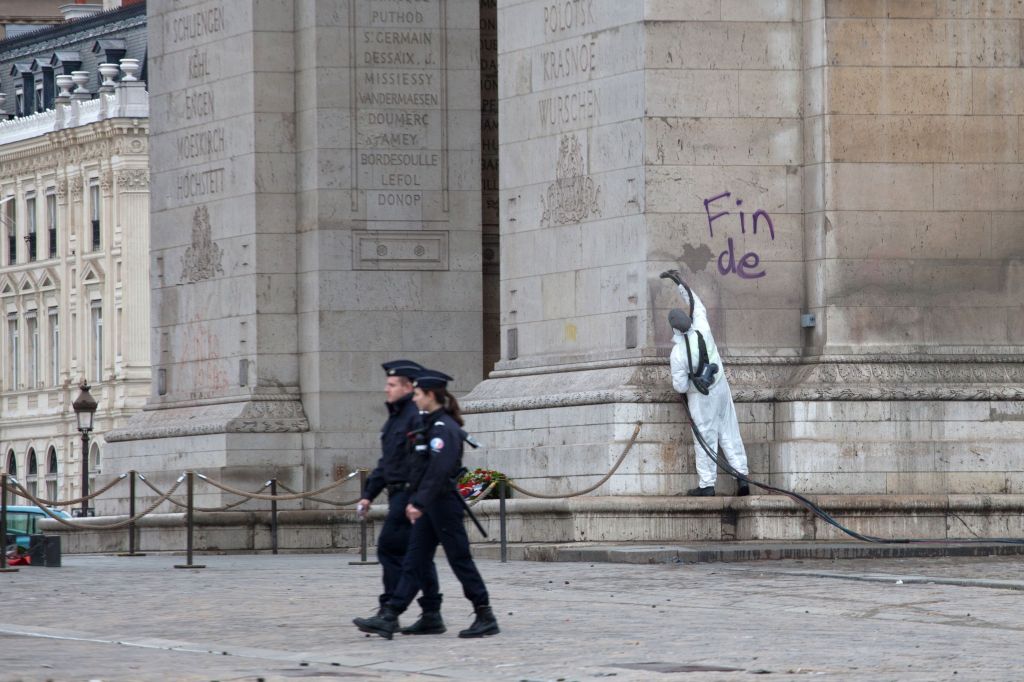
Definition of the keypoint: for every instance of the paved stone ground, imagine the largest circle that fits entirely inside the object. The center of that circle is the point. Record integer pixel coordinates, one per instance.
(288, 617)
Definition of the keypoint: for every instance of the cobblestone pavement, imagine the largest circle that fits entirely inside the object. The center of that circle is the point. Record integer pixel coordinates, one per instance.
(289, 617)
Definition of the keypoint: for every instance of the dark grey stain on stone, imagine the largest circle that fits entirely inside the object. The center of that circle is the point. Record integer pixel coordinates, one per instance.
(697, 258)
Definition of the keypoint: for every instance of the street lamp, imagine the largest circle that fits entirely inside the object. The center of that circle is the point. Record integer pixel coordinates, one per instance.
(85, 407)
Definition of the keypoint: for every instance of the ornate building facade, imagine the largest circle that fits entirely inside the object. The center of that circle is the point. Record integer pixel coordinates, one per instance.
(74, 283)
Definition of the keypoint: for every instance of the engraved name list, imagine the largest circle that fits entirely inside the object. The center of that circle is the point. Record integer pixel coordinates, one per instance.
(398, 49)
(200, 147)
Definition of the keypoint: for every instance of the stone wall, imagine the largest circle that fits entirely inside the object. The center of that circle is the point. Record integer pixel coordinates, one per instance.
(915, 236)
(389, 209)
(835, 178)
(317, 211)
(723, 153)
(913, 245)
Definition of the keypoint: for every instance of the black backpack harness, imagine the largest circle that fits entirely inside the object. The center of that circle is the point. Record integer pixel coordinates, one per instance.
(704, 376)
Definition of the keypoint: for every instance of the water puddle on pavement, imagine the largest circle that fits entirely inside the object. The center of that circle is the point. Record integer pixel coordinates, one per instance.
(676, 668)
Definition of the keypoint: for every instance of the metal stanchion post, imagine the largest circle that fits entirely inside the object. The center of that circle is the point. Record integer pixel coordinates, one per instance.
(362, 528)
(273, 516)
(4, 568)
(501, 520)
(189, 523)
(131, 515)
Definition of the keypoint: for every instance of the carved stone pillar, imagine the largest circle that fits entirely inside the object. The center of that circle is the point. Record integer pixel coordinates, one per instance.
(133, 213)
(845, 213)
(225, 394)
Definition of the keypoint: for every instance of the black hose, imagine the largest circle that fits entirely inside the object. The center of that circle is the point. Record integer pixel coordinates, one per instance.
(815, 509)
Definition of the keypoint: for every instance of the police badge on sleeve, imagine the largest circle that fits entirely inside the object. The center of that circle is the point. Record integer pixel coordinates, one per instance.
(436, 444)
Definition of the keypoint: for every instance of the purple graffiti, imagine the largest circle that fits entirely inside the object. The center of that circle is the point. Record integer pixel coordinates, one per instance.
(713, 218)
(742, 268)
(746, 266)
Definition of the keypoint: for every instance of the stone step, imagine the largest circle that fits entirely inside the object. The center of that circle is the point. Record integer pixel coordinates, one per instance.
(722, 552)
(669, 521)
(758, 517)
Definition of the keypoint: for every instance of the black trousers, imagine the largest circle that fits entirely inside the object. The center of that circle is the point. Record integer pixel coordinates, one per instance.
(441, 524)
(391, 550)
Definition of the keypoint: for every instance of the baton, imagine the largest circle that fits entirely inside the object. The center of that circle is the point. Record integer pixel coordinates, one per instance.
(470, 512)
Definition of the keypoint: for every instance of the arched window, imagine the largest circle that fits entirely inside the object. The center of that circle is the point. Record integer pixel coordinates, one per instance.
(12, 463)
(94, 458)
(32, 475)
(51, 473)
(94, 465)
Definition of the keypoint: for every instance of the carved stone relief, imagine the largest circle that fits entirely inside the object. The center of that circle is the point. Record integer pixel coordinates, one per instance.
(75, 182)
(870, 380)
(202, 260)
(257, 416)
(130, 179)
(573, 196)
(106, 182)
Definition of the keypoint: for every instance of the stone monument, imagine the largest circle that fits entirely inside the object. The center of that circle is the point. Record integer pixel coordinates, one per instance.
(837, 179)
(835, 188)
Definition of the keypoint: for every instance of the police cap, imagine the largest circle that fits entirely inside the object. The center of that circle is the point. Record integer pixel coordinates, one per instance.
(430, 378)
(403, 368)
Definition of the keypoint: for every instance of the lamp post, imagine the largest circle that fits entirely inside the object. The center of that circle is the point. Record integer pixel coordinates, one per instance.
(85, 407)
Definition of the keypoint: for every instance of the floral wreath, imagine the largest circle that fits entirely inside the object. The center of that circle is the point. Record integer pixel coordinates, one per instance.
(475, 482)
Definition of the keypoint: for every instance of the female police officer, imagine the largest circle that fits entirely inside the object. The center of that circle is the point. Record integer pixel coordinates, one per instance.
(436, 513)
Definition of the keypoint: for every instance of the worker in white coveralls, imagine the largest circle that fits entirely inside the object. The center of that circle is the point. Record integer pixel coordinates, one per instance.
(697, 371)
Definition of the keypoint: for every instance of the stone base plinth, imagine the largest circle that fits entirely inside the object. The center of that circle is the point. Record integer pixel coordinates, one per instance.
(589, 519)
(559, 432)
(244, 461)
(899, 447)
(817, 428)
(241, 442)
(217, 532)
(758, 517)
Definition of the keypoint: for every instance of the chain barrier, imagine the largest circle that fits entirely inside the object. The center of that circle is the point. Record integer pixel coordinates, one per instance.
(16, 488)
(70, 503)
(277, 498)
(184, 505)
(346, 503)
(96, 526)
(611, 472)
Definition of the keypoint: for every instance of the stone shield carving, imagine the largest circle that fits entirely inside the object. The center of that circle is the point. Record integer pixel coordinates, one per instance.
(202, 260)
(133, 179)
(573, 196)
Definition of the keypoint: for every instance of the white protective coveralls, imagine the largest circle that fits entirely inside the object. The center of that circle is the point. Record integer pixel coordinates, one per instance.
(713, 414)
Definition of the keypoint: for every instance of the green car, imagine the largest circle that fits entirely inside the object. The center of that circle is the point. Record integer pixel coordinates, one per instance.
(22, 522)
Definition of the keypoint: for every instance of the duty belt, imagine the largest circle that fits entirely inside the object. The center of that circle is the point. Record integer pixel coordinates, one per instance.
(400, 487)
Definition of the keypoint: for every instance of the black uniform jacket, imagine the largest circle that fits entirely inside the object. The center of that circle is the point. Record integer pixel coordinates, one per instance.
(393, 466)
(436, 459)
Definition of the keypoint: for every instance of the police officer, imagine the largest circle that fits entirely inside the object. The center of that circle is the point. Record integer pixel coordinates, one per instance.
(392, 473)
(436, 511)
(709, 400)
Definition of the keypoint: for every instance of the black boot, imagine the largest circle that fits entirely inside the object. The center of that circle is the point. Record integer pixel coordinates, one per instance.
(701, 492)
(430, 623)
(483, 626)
(743, 490)
(384, 623)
